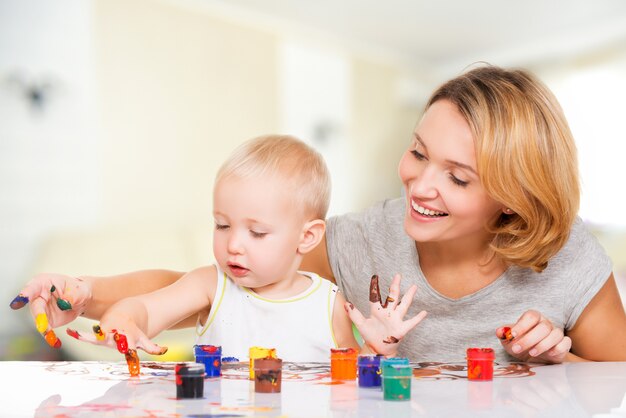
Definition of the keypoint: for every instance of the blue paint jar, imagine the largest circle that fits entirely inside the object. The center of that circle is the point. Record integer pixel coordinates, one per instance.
(369, 370)
(211, 357)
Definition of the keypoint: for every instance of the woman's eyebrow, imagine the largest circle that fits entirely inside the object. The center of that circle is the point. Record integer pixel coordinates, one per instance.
(455, 163)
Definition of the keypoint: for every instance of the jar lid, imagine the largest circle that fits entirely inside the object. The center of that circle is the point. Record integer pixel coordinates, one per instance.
(206, 348)
(189, 369)
(480, 354)
(268, 363)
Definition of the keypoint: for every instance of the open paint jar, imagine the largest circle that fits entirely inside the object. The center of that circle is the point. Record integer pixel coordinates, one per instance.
(211, 357)
(397, 382)
(480, 363)
(267, 374)
(343, 363)
(369, 370)
(259, 352)
(189, 380)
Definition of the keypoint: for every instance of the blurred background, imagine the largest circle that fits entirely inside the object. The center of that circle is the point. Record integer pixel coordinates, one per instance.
(115, 115)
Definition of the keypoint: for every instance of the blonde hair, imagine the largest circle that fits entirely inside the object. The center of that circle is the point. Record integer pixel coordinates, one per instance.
(298, 164)
(526, 160)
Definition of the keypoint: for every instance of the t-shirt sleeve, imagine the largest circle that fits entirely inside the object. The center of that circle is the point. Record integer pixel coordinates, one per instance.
(588, 266)
(346, 238)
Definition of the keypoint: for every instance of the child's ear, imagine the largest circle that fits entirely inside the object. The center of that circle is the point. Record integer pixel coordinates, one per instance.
(312, 234)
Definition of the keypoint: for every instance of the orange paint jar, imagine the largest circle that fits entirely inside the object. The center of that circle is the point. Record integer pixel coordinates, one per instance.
(480, 363)
(343, 363)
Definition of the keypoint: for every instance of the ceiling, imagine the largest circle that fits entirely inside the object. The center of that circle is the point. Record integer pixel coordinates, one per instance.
(447, 35)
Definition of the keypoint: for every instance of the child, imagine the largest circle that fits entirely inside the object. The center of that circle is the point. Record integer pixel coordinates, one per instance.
(270, 200)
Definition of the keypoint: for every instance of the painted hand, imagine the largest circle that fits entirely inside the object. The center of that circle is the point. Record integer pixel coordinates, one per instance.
(55, 300)
(385, 327)
(535, 339)
(120, 334)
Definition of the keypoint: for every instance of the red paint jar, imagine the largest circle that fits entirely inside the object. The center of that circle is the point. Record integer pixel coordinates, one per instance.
(480, 363)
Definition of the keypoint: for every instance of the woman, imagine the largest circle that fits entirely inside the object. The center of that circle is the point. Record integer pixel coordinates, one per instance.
(486, 233)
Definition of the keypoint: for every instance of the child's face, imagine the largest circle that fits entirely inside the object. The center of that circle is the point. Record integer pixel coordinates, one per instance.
(438, 171)
(257, 230)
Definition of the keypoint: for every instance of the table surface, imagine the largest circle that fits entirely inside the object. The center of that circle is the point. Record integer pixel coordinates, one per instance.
(81, 389)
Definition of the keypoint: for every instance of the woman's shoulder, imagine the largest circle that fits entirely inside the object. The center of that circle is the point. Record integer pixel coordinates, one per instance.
(385, 211)
(582, 252)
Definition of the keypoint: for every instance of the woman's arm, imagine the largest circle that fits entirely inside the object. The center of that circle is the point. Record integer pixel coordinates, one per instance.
(598, 335)
(600, 332)
(56, 299)
(105, 291)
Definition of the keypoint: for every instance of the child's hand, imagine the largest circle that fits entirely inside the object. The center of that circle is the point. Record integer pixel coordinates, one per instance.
(386, 327)
(121, 334)
(535, 339)
(55, 300)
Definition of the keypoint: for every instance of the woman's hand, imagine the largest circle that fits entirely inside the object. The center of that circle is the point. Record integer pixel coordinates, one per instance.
(385, 328)
(535, 339)
(54, 300)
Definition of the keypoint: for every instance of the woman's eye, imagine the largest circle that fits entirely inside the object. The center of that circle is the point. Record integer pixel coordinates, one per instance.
(418, 155)
(220, 226)
(256, 234)
(458, 181)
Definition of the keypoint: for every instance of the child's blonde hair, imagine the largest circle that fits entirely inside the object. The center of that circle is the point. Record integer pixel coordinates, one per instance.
(526, 159)
(299, 165)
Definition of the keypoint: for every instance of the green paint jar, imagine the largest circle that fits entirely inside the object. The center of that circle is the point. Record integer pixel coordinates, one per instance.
(397, 377)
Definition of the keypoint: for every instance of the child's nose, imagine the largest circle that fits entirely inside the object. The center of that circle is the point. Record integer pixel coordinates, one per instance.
(235, 244)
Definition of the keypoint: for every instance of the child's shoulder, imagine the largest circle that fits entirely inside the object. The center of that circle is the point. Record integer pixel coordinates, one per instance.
(204, 279)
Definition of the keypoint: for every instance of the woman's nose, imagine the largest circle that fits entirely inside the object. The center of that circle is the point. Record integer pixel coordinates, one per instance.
(424, 184)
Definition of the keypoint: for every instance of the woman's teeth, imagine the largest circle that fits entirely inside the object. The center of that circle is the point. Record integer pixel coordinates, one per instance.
(427, 212)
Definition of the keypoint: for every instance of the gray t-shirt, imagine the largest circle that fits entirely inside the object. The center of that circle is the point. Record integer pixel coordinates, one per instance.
(374, 242)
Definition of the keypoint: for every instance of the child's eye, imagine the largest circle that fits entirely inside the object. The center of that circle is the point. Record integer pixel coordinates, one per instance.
(256, 234)
(458, 181)
(418, 155)
(221, 226)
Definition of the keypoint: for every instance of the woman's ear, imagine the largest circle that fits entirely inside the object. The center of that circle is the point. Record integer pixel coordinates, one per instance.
(312, 234)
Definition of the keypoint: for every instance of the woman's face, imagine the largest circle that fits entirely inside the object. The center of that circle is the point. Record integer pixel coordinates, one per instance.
(444, 197)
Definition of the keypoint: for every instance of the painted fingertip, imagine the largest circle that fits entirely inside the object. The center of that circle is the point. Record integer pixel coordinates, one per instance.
(163, 351)
(72, 333)
(98, 332)
(52, 339)
(121, 342)
(41, 322)
(52, 289)
(132, 360)
(19, 302)
(63, 304)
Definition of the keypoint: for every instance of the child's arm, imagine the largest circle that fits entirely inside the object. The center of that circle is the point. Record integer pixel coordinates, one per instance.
(142, 317)
(385, 328)
(342, 326)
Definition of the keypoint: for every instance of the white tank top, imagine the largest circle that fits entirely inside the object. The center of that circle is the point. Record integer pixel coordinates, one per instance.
(299, 328)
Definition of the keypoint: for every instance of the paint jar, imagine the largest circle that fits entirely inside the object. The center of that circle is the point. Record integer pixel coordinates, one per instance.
(189, 380)
(369, 370)
(480, 363)
(259, 352)
(397, 381)
(211, 357)
(267, 375)
(343, 363)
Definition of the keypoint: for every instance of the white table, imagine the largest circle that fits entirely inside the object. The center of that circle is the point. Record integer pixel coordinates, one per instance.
(85, 389)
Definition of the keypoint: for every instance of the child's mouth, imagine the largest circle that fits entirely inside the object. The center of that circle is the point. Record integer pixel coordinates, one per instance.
(237, 270)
